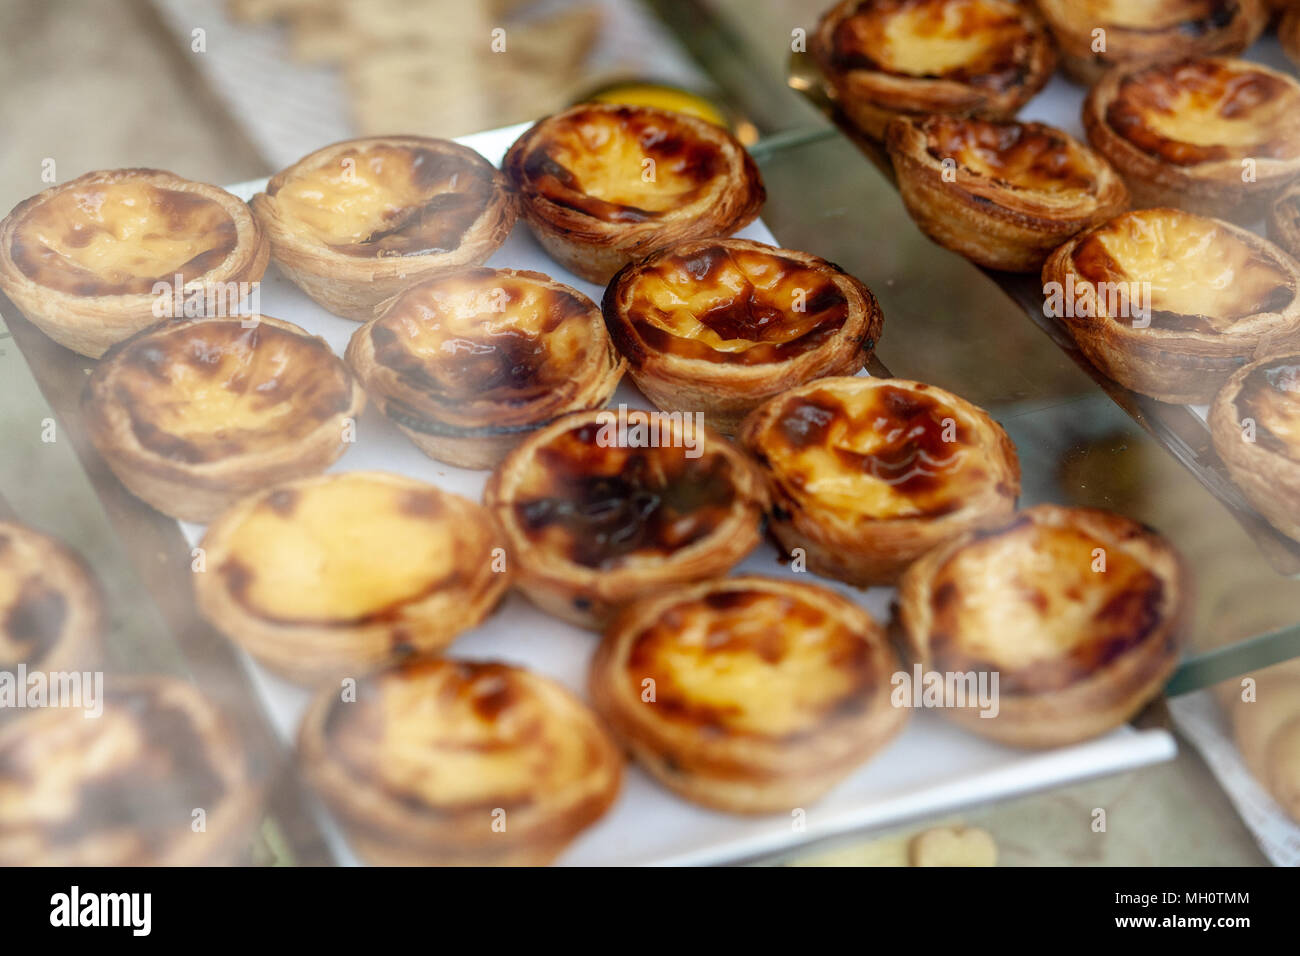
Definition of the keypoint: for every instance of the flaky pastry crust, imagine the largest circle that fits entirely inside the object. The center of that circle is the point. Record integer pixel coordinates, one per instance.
(603, 184)
(867, 474)
(721, 325)
(887, 58)
(597, 510)
(194, 414)
(335, 575)
(355, 223)
(1216, 136)
(1169, 304)
(1080, 614)
(469, 364)
(459, 763)
(1255, 423)
(748, 694)
(83, 261)
(1003, 194)
(1284, 220)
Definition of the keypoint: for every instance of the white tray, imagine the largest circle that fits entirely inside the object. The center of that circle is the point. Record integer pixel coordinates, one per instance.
(931, 768)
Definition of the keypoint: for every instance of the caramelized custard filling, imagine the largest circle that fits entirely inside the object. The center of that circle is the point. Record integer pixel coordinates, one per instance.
(32, 612)
(121, 238)
(346, 551)
(1026, 601)
(623, 165)
(877, 453)
(1201, 276)
(979, 42)
(458, 736)
(1018, 155)
(213, 390)
(1192, 18)
(1200, 111)
(735, 306)
(479, 336)
(1270, 395)
(752, 663)
(604, 505)
(387, 200)
(141, 767)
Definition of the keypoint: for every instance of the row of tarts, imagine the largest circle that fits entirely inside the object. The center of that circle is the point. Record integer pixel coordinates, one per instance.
(746, 693)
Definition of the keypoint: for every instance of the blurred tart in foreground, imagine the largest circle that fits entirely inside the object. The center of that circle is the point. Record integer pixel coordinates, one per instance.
(602, 184)
(1216, 136)
(1284, 220)
(867, 474)
(468, 364)
(721, 325)
(338, 574)
(1288, 32)
(749, 694)
(459, 763)
(602, 507)
(1094, 35)
(1255, 422)
(1077, 614)
(1170, 304)
(357, 222)
(122, 788)
(1003, 194)
(85, 261)
(887, 58)
(51, 607)
(193, 414)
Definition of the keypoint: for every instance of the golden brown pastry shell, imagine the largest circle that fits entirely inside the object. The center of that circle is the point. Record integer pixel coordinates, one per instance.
(1288, 33)
(1269, 479)
(308, 652)
(354, 286)
(871, 98)
(743, 773)
(1284, 220)
(588, 596)
(724, 392)
(1212, 188)
(875, 552)
(390, 828)
(199, 491)
(228, 824)
(90, 324)
(1072, 23)
(996, 222)
(1175, 365)
(1113, 691)
(595, 249)
(479, 434)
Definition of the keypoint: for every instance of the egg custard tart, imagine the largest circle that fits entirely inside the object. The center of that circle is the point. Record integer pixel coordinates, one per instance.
(459, 763)
(193, 414)
(1003, 194)
(749, 694)
(603, 184)
(1094, 35)
(1284, 220)
(357, 222)
(1170, 304)
(602, 507)
(1215, 136)
(721, 325)
(468, 364)
(1255, 422)
(1288, 33)
(124, 788)
(887, 58)
(337, 574)
(867, 474)
(89, 262)
(51, 607)
(1077, 614)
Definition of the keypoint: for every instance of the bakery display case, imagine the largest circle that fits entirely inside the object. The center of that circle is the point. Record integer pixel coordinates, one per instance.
(369, 549)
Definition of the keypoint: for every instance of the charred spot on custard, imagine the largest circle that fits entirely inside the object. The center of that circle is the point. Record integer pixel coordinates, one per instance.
(1019, 155)
(35, 620)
